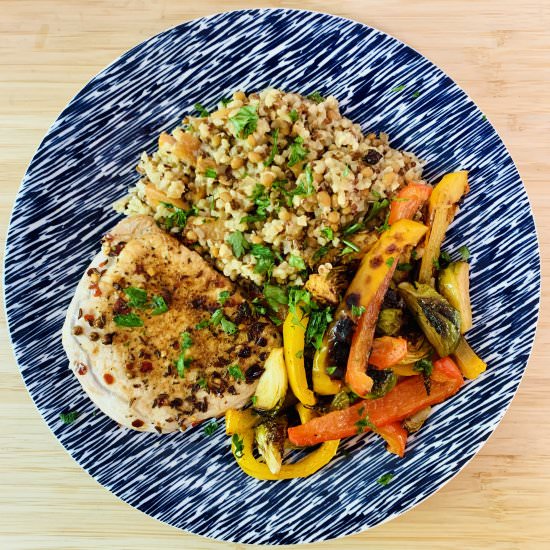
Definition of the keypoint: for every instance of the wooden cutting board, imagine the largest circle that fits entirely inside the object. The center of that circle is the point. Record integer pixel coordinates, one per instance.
(499, 52)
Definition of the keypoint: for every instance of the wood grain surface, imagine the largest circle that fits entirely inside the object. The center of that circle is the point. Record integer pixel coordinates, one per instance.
(498, 51)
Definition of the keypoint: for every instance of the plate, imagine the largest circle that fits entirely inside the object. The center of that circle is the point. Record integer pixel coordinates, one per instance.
(87, 160)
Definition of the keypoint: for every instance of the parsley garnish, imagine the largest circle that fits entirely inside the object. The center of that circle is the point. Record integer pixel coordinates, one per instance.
(257, 308)
(297, 262)
(331, 370)
(202, 111)
(69, 417)
(353, 228)
(328, 233)
(435, 263)
(274, 149)
(357, 311)
(376, 207)
(223, 296)
(316, 327)
(305, 187)
(275, 296)
(345, 173)
(293, 115)
(320, 252)
(444, 259)
(364, 422)
(464, 253)
(245, 121)
(185, 340)
(159, 305)
(128, 320)
(203, 324)
(236, 372)
(225, 100)
(202, 383)
(316, 96)
(385, 226)
(265, 259)
(389, 261)
(228, 326)
(238, 243)
(260, 198)
(216, 317)
(398, 88)
(179, 217)
(350, 247)
(210, 427)
(297, 151)
(484, 118)
(137, 296)
(253, 400)
(211, 173)
(182, 364)
(238, 444)
(404, 267)
(385, 479)
(425, 367)
(415, 94)
(414, 254)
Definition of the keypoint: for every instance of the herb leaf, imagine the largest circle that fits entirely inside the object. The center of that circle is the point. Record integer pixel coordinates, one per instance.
(265, 259)
(69, 417)
(228, 326)
(159, 305)
(316, 96)
(182, 364)
(293, 115)
(238, 444)
(223, 296)
(464, 253)
(398, 88)
(128, 320)
(385, 479)
(238, 244)
(137, 296)
(275, 296)
(211, 173)
(297, 151)
(316, 327)
(178, 218)
(202, 111)
(357, 311)
(404, 267)
(328, 233)
(210, 427)
(236, 372)
(297, 262)
(390, 261)
(274, 149)
(245, 121)
(185, 340)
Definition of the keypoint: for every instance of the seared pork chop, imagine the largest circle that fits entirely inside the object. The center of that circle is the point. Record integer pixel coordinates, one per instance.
(158, 339)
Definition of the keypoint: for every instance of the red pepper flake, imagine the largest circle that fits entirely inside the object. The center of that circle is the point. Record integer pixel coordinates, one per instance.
(103, 264)
(95, 288)
(137, 423)
(109, 378)
(82, 369)
(90, 318)
(146, 366)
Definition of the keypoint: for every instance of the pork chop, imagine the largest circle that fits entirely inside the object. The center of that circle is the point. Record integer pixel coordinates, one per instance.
(158, 339)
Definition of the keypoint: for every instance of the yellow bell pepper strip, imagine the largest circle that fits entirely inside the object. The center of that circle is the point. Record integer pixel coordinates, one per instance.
(395, 436)
(367, 290)
(240, 424)
(404, 370)
(305, 413)
(323, 384)
(407, 398)
(294, 329)
(441, 211)
(468, 362)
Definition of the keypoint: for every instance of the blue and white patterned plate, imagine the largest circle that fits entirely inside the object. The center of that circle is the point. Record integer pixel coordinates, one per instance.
(87, 160)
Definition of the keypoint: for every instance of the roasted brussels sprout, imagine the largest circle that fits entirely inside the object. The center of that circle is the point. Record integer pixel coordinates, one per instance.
(270, 440)
(390, 321)
(416, 421)
(439, 321)
(454, 284)
(340, 401)
(384, 380)
(273, 384)
(418, 348)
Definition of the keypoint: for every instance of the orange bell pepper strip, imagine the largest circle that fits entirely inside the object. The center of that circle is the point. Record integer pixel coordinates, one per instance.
(387, 351)
(395, 436)
(407, 398)
(408, 201)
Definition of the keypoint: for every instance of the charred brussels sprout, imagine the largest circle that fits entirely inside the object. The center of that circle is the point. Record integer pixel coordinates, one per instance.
(418, 348)
(390, 321)
(416, 421)
(273, 384)
(454, 284)
(383, 381)
(270, 440)
(439, 321)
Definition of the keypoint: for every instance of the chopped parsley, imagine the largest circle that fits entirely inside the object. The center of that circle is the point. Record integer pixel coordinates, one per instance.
(464, 253)
(364, 422)
(376, 207)
(398, 88)
(216, 317)
(245, 121)
(331, 370)
(353, 228)
(228, 326)
(159, 305)
(69, 417)
(182, 364)
(265, 259)
(328, 233)
(297, 262)
(298, 152)
(128, 320)
(185, 340)
(350, 247)
(274, 149)
(415, 94)
(261, 199)
(435, 263)
(178, 217)
(425, 367)
(211, 173)
(203, 324)
(253, 400)
(225, 101)
(320, 252)
(316, 96)
(223, 296)
(210, 427)
(445, 259)
(202, 383)
(275, 297)
(357, 311)
(404, 267)
(305, 187)
(238, 244)
(137, 297)
(293, 115)
(316, 327)
(385, 479)
(239, 445)
(389, 261)
(201, 110)
(385, 226)
(236, 372)
(484, 118)
(345, 173)
(257, 308)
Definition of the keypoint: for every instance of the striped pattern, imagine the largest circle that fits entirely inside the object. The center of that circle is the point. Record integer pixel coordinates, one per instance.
(87, 160)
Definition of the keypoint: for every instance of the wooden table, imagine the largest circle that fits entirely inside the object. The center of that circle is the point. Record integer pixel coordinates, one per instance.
(498, 51)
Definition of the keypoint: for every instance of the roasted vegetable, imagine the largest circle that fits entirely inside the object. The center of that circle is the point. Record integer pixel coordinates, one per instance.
(395, 436)
(441, 211)
(407, 398)
(390, 321)
(383, 381)
(469, 363)
(270, 441)
(294, 329)
(454, 284)
(323, 384)
(408, 201)
(324, 289)
(416, 421)
(387, 351)
(273, 383)
(340, 401)
(418, 348)
(439, 321)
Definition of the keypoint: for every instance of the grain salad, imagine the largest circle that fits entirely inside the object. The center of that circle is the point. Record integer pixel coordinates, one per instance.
(271, 185)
